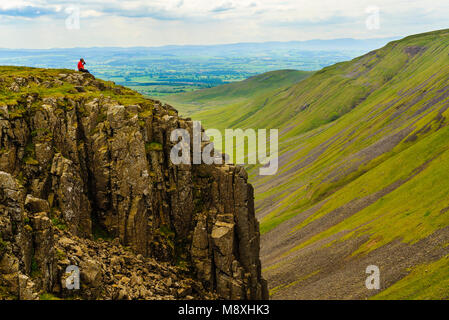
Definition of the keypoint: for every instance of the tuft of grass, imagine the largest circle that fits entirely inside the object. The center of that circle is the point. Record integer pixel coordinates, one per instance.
(153, 146)
(61, 255)
(35, 271)
(48, 296)
(58, 223)
(30, 161)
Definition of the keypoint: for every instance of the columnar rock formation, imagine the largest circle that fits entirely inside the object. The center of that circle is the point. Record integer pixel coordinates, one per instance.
(93, 162)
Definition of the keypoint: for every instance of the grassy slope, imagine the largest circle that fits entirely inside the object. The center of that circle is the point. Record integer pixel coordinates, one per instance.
(352, 131)
(222, 106)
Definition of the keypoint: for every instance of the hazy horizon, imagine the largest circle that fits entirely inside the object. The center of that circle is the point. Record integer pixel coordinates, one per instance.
(212, 44)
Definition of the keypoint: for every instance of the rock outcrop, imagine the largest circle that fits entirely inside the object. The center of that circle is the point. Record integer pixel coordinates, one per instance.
(86, 180)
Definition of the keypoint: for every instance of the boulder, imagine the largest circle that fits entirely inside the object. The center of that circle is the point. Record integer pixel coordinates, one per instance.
(35, 205)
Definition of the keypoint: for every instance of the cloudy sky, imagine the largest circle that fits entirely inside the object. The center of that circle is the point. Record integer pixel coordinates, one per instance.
(86, 23)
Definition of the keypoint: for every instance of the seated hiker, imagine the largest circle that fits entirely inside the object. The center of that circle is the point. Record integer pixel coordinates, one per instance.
(81, 64)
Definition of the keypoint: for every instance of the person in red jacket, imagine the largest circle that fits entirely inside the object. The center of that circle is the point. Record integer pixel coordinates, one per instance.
(81, 64)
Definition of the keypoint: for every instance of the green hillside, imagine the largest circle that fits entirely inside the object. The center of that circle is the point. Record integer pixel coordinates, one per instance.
(364, 174)
(221, 106)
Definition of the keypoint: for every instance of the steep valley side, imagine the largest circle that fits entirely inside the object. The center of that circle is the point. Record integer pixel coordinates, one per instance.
(363, 177)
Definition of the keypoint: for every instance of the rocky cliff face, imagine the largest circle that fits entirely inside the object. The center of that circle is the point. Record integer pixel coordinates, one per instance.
(86, 180)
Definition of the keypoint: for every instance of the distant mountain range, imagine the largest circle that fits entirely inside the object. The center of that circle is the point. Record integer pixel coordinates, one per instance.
(328, 45)
(364, 171)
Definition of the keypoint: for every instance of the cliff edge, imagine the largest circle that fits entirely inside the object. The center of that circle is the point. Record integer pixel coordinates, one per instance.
(86, 180)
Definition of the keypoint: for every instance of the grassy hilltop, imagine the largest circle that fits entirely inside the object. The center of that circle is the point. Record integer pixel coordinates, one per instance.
(364, 172)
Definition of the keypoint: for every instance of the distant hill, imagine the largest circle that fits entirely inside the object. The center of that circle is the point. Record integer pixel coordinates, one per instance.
(224, 104)
(364, 174)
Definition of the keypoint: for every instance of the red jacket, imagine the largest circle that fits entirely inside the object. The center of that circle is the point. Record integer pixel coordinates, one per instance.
(80, 65)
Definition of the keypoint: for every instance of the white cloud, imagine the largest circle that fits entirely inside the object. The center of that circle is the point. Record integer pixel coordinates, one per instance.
(40, 23)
